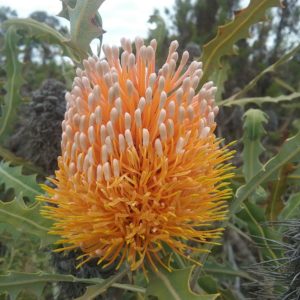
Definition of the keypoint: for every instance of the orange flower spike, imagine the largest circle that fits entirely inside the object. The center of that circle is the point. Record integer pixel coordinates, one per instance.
(140, 167)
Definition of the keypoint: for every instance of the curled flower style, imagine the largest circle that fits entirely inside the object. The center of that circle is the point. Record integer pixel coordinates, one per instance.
(141, 170)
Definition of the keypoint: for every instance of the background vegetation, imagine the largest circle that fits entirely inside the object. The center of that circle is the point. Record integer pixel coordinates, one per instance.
(255, 62)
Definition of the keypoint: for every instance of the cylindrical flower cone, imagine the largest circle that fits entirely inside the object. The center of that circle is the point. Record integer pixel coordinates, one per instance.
(141, 168)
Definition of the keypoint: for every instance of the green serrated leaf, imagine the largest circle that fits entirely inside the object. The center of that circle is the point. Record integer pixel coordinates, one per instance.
(230, 33)
(290, 152)
(291, 209)
(26, 219)
(254, 120)
(260, 100)
(64, 13)
(86, 23)
(174, 285)
(14, 81)
(46, 33)
(13, 178)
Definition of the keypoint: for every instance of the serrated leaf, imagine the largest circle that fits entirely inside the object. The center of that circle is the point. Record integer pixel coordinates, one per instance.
(230, 33)
(13, 178)
(14, 81)
(85, 22)
(289, 152)
(254, 120)
(46, 33)
(291, 209)
(26, 219)
(174, 285)
(260, 100)
(64, 13)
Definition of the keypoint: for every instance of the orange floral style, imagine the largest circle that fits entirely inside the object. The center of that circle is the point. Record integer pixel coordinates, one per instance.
(141, 168)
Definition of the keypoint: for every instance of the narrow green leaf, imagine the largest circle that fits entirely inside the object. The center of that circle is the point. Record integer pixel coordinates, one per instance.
(46, 33)
(291, 209)
(98, 289)
(13, 178)
(26, 219)
(14, 81)
(260, 100)
(230, 33)
(174, 285)
(14, 282)
(255, 217)
(278, 189)
(224, 271)
(290, 152)
(254, 119)
(283, 59)
(219, 77)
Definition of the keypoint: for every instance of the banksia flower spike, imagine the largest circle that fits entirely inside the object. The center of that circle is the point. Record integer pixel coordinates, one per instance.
(141, 168)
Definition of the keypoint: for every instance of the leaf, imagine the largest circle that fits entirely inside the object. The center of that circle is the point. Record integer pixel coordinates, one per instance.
(290, 152)
(85, 22)
(224, 272)
(46, 33)
(208, 283)
(26, 219)
(260, 100)
(64, 13)
(284, 58)
(291, 209)
(174, 285)
(230, 33)
(254, 216)
(14, 282)
(13, 178)
(278, 189)
(254, 119)
(14, 81)
(98, 289)
(219, 77)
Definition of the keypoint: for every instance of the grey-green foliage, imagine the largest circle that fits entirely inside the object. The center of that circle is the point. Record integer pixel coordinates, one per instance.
(12, 178)
(85, 21)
